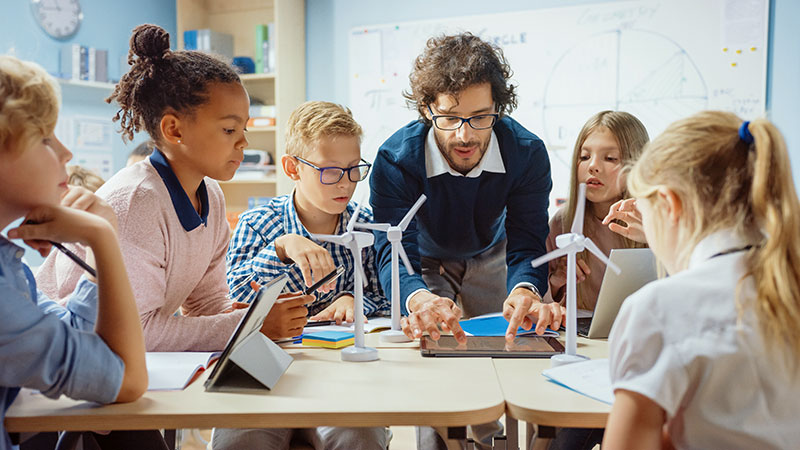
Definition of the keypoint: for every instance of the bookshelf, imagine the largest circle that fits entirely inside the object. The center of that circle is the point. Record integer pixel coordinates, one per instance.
(285, 88)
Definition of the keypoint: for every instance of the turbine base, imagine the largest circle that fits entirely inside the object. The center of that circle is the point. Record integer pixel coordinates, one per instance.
(394, 336)
(359, 354)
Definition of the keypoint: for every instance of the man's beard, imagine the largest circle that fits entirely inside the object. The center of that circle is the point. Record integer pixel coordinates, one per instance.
(461, 167)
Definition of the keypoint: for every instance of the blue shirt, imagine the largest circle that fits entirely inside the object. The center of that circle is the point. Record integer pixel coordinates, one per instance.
(252, 256)
(46, 346)
(463, 216)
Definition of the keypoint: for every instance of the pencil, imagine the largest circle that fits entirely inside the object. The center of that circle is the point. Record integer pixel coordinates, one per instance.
(75, 258)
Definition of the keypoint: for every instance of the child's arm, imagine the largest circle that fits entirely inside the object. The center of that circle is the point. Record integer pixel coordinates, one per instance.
(260, 250)
(117, 320)
(635, 422)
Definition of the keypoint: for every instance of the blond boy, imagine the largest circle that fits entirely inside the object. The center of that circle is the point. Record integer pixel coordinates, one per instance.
(323, 158)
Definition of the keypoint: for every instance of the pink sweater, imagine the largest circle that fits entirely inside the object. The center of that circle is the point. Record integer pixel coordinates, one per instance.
(169, 268)
(605, 240)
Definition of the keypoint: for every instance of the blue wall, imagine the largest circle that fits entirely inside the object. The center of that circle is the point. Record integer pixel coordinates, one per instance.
(106, 25)
(328, 23)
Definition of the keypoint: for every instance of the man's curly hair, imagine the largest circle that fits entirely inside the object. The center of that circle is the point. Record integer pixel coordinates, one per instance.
(451, 64)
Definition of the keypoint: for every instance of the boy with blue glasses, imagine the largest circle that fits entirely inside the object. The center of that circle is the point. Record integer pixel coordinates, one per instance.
(323, 157)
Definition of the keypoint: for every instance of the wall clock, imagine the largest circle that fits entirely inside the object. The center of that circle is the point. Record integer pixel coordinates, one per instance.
(58, 18)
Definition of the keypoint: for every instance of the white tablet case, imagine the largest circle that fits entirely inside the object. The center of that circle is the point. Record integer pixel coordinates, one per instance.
(254, 362)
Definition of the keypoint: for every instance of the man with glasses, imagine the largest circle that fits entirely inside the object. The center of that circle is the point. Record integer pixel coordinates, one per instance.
(487, 180)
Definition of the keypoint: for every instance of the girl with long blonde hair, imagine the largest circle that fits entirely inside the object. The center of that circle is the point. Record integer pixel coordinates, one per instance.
(708, 357)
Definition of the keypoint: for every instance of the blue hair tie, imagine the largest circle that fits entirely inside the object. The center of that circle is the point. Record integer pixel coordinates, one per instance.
(744, 133)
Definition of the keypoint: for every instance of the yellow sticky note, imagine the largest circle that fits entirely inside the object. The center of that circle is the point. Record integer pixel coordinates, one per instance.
(733, 64)
(739, 52)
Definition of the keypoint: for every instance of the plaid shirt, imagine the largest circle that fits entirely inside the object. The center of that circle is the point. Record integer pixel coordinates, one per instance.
(252, 257)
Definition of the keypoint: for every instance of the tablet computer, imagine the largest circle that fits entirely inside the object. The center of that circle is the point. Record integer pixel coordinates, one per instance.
(228, 374)
(492, 347)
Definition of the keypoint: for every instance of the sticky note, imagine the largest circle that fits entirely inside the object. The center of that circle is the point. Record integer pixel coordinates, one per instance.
(329, 339)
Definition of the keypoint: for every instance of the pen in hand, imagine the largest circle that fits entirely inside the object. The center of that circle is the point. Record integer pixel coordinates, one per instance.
(326, 279)
(75, 258)
(69, 253)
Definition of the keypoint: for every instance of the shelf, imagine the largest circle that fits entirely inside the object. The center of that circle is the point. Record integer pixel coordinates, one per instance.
(245, 77)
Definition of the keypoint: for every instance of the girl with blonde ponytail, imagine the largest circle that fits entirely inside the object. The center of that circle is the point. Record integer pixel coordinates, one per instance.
(708, 357)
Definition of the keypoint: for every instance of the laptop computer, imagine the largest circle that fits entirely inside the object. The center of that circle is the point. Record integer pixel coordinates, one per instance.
(638, 268)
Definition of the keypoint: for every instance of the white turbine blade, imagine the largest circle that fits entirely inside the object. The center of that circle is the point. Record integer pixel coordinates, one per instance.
(335, 238)
(354, 217)
(600, 255)
(557, 253)
(410, 214)
(373, 226)
(404, 257)
(577, 222)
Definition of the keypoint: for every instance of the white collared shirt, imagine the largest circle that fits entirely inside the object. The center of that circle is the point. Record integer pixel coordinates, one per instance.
(435, 164)
(680, 342)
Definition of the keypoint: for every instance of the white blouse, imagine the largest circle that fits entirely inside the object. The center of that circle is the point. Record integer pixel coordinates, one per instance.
(678, 342)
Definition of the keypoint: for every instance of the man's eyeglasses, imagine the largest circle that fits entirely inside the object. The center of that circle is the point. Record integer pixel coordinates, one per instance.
(332, 175)
(450, 123)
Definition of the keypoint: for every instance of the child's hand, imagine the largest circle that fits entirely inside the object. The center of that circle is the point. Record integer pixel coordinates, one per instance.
(287, 317)
(626, 212)
(310, 257)
(341, 311)
(558, 278)
(59, 224)
(85, 200)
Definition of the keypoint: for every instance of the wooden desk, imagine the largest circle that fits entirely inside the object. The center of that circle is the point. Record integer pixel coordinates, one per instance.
(402, 388)
(530, 397)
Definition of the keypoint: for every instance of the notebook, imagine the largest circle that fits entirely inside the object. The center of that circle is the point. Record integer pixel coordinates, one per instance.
(590, 378)
(496, 325)
(168, 371)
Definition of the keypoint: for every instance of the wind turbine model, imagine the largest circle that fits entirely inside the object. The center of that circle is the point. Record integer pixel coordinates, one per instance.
(571, 244)
(394, 233)
(355, 241)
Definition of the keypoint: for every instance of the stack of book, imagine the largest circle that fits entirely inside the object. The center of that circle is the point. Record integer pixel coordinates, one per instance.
(79, 62)
(209, 41)
(265, 48)
(261, 115)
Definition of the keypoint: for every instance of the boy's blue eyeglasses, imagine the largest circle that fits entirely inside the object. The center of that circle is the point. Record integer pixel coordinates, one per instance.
(332, 175)
(451, 123)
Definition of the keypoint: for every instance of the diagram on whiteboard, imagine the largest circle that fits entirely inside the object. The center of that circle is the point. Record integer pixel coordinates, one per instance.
(646, 57)
(640, 72)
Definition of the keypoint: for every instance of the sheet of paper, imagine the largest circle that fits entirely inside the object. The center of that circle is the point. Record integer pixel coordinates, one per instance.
(590, 378)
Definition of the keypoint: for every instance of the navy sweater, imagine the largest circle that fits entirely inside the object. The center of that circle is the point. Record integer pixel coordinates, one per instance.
(463, 217)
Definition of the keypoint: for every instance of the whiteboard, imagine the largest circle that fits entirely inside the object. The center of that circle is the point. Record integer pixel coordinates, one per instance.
(659, 60)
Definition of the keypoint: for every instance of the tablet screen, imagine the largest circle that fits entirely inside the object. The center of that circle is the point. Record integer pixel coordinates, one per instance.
(492, 346)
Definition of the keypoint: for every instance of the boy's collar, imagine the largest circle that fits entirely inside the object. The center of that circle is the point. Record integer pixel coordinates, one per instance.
(187, 215)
